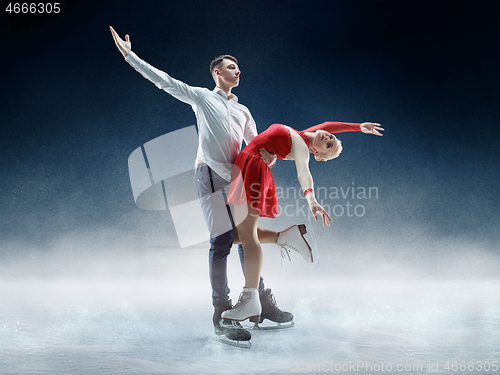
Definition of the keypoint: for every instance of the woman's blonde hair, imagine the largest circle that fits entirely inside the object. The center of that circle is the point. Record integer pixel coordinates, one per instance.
(332, 155)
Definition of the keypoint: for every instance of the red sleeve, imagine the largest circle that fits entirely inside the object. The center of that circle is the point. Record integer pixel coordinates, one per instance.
(335, 127)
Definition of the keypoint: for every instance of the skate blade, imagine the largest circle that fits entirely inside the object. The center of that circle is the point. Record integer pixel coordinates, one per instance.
(303, 231)
(312, 244)
(238, 344)
(253, 318)
(257, 327)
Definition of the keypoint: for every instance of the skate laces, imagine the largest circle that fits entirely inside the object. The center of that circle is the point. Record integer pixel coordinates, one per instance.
(286, 247)
(273, 300)
(242, 301)
(285, 251)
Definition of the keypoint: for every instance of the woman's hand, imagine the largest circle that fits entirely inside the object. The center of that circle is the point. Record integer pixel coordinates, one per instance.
(316, 209)
(123, 45)
(371, 128)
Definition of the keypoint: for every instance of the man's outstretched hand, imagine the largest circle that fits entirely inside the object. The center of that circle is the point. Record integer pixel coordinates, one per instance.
(268, 157)
(123, 45)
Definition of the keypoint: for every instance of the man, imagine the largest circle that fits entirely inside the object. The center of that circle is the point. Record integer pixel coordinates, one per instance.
(222, 123)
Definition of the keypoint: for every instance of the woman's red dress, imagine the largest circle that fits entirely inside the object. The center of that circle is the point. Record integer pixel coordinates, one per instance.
(255, 183)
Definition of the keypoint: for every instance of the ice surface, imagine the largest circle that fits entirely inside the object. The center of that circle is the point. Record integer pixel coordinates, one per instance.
(150, 313)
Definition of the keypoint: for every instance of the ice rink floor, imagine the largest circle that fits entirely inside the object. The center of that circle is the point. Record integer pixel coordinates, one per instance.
(145, 314)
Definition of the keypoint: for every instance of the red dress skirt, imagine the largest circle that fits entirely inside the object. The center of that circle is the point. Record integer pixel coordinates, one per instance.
(255, 183)
(252, 182)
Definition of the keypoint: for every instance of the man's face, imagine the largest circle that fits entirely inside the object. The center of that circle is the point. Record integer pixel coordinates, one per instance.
(229, 73)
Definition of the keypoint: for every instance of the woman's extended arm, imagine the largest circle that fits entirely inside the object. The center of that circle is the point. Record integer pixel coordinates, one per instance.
(335, 127)
(341, 127)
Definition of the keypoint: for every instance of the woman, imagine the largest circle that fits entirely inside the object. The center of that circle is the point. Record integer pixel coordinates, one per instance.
(253, 192)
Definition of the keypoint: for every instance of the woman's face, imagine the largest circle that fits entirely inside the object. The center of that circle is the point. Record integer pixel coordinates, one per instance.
(324, 142)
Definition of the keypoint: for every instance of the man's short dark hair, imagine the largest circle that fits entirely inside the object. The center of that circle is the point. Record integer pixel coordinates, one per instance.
(215, 64)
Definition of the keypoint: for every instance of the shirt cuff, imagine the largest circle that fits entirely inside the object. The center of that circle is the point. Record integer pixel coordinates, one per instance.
(132, 59)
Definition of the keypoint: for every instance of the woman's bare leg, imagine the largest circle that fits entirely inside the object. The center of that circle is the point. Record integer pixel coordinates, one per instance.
(248, 237)
(264, 235)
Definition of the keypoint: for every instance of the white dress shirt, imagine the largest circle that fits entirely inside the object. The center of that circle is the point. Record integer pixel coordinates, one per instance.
(222, 124)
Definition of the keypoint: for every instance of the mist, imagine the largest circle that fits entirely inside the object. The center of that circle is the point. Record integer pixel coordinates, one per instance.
(84, 305)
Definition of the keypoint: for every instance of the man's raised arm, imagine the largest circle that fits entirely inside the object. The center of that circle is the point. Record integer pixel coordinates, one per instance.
(162, 80)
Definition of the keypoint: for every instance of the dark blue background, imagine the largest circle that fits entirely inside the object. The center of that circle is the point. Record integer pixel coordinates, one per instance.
(72, 110)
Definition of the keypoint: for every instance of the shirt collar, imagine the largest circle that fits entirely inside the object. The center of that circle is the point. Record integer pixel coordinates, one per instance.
(221, 92)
